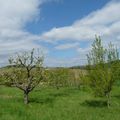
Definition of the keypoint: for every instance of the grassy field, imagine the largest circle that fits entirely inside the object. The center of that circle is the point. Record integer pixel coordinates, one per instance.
(62, 104)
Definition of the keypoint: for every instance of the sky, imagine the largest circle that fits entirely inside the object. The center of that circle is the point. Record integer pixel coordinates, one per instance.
(62, 29)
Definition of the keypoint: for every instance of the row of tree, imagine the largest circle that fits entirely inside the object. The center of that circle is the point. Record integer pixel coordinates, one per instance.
(26, 71)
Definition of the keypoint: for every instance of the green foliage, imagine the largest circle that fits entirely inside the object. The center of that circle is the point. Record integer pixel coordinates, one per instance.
(101, 80)
(97, 54)
(58, 77)
(101, 68)
(76, 78)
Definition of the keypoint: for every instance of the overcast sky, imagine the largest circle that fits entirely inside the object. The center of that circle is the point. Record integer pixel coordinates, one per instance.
(62, 29)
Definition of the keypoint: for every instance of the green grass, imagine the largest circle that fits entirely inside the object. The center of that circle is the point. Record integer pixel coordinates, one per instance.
(52, 104)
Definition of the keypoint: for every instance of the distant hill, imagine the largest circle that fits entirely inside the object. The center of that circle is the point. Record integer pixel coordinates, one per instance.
(83, 67)
(78, 67)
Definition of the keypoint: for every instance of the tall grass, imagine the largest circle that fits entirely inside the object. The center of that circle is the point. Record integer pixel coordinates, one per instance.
(62, 104)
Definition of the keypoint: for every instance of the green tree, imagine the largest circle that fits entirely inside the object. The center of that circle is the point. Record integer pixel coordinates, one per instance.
(101, 68)
(25, 72)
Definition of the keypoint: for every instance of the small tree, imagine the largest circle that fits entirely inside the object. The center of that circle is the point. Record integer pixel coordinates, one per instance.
(25, 72)
(101, 68)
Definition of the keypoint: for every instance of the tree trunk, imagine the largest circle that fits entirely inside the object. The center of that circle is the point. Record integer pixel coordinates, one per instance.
(108, 100)
(26, 99)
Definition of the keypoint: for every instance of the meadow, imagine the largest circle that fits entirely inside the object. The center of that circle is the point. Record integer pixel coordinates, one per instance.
(67, 103)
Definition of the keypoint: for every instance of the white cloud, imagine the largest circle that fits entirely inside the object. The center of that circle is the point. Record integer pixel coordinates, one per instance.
(64, 62)
(67, 46)
(14, 15)
(104, 22)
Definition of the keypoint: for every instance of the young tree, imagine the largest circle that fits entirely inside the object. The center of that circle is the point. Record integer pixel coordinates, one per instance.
(25, 73)
(101, 68)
